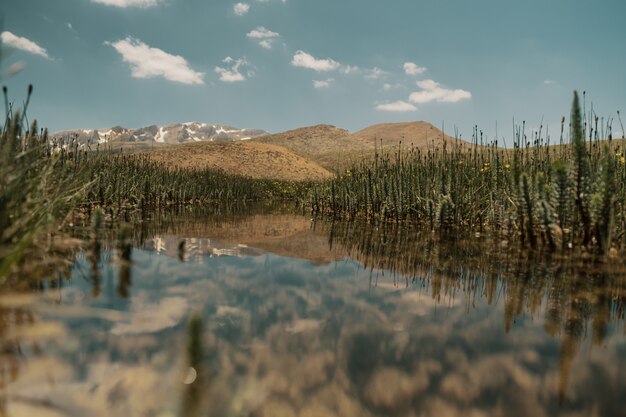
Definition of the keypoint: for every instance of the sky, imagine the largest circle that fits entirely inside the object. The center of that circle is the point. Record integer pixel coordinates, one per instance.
(282, 64)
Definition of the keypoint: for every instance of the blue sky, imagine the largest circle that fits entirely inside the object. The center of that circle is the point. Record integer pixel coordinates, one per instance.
(281, 64)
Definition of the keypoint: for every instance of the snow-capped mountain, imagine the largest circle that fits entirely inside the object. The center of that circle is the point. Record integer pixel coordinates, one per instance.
(173, 133)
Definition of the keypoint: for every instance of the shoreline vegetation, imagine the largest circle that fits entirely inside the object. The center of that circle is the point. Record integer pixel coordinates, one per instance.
(542, 197)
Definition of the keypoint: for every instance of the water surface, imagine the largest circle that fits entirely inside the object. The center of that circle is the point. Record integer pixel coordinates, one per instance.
(302, 318)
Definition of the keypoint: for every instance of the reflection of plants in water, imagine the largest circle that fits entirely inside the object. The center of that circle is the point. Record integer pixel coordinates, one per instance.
(278, 342)
(575, 293)
(11, 348)
(95, 251)
(125, 249)
(195, 380)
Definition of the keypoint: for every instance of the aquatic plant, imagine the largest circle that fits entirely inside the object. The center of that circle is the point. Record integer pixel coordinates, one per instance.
(122, 181)
(541, 195)
(37, 189)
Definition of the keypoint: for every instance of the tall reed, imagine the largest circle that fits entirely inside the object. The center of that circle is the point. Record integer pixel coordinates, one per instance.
(544, 196)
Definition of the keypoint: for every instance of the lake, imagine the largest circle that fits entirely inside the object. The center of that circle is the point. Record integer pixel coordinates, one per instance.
(270, 313)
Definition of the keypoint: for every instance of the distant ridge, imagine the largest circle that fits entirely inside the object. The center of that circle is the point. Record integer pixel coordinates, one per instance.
(336, 148)
(171, 133)
(307, 153)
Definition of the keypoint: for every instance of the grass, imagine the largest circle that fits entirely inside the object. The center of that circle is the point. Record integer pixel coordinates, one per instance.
(44, 181)
(136, 181)
(544, 196)
(37, 188)
(245, 158)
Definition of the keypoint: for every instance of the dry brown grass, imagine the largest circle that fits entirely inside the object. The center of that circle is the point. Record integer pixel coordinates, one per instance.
(250, 159)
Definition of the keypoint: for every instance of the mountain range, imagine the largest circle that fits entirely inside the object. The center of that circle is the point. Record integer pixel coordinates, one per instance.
(307, 153)
(171, 133)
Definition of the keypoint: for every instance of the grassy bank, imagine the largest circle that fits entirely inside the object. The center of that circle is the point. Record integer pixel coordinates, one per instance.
(544, 196)
(137, 181)
(42, 182)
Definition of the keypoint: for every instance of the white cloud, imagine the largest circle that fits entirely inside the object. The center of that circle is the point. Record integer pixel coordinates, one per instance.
(128, 3)
(233, 72)
(264, 36)
(148, 62)
(375, 73)
(304, 60)
(349, 69)
(396, 106)
(262, 33)
(548, 82)
(410, 68)
(433, 91)
(241, 8)
(13, 69)
(323, 83)
(388, 86)
(18, 42)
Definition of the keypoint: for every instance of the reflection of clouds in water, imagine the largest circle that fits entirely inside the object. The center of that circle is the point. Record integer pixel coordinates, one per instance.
(52, 387)
(152, 317)
(303, 325)
(421, 304)
(288, 337)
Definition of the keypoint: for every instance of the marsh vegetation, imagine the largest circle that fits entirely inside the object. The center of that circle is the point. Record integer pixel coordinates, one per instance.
(433, 280)
(547, 197)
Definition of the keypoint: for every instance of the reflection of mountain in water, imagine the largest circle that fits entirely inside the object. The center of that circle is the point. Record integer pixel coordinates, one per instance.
(194, 249)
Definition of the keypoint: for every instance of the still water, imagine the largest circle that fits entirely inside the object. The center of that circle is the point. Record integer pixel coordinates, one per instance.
(276, 315)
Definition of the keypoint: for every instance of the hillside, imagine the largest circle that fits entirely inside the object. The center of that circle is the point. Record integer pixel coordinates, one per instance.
(251, 159)
(336, 149)
(417, 134)
(307, 153)
(312, 140)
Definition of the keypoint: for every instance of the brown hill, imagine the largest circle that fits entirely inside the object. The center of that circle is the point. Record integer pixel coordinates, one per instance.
(251, 159)
(336, 149)
(417, 134)
(301, 154)
(312, 140)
